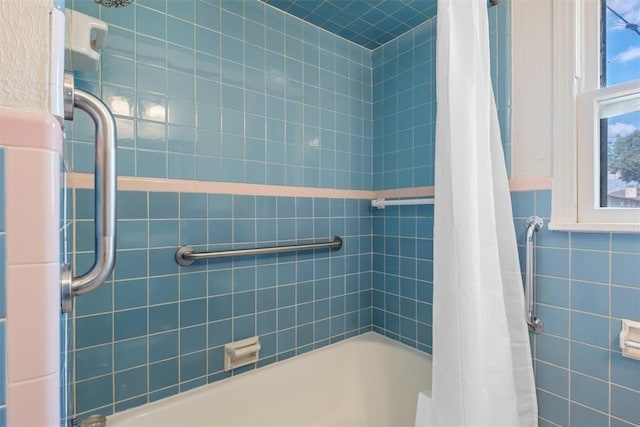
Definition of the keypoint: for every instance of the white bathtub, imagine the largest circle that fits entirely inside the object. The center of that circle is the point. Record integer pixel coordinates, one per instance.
(367, 380)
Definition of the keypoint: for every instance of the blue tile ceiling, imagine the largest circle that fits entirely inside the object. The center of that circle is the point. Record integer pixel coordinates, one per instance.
(370, 23)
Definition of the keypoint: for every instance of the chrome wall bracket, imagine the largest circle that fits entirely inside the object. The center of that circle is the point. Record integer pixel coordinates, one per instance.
(69, 96)
(66, 295)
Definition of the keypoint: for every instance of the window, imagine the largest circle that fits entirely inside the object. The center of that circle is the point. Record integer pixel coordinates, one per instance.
(596, 115)
(620, 125)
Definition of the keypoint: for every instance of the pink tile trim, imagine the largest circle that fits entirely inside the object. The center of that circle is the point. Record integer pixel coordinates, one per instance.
(400, 193)
(531, 183)
(34, 403)
(83, 180)
(28, 129)
(33, 182)
(33, 321)
(78, 180)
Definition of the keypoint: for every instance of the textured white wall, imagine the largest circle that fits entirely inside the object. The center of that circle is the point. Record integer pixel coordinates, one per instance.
(531, 88)
(25, 54)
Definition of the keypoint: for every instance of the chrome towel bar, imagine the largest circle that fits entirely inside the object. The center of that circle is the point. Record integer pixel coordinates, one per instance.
(186, 255)
(534, 224)
(381, 203)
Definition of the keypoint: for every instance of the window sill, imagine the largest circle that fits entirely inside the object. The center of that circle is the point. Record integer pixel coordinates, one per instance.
(595, 228)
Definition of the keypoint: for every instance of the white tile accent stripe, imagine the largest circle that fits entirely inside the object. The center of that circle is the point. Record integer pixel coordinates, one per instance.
(84, 180)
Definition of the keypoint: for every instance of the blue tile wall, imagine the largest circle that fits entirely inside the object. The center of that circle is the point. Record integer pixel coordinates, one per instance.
(155, 328)
(402, 285)
(500, 50)
(3, 293)
(233, 91)
(369, 24)
(404, 110)
(309, 109)
(587, 282)
(404, 101)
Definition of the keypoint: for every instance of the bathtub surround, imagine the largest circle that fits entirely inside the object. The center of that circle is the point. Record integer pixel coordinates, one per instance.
(272, 100)
(587, 282)
(153, 73)
(301, 115)
(162, 327)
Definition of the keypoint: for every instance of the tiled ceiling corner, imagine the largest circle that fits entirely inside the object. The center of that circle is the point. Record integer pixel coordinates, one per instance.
(369, 23)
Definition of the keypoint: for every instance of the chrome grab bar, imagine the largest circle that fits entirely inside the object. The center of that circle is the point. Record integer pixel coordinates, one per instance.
(104, 199)
(185, 255)
(534, 224)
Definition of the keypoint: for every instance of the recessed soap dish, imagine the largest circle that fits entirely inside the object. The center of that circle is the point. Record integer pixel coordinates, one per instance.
(630, 339)
(241, 353)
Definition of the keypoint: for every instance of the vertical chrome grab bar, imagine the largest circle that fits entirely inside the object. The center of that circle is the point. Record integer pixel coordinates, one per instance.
(104, 199)
(534, 224)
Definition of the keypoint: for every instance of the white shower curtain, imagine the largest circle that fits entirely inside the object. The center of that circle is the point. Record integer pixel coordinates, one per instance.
(482, 369)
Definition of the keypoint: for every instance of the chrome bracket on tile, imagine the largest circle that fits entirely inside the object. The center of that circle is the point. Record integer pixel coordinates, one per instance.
(66, 295)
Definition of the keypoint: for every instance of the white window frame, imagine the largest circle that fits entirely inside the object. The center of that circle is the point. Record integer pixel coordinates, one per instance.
(576, 98)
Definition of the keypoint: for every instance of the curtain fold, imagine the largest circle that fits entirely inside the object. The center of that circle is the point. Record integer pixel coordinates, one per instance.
(482, 369)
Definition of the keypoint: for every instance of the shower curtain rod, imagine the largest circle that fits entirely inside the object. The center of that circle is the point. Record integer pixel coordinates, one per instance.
(381, 203)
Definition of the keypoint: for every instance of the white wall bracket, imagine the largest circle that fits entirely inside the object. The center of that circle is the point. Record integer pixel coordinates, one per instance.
(630, 339)
(86, 36)
(241, 353)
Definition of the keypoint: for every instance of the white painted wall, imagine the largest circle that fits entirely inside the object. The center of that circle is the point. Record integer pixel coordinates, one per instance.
(532, 118)
(25, 46)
